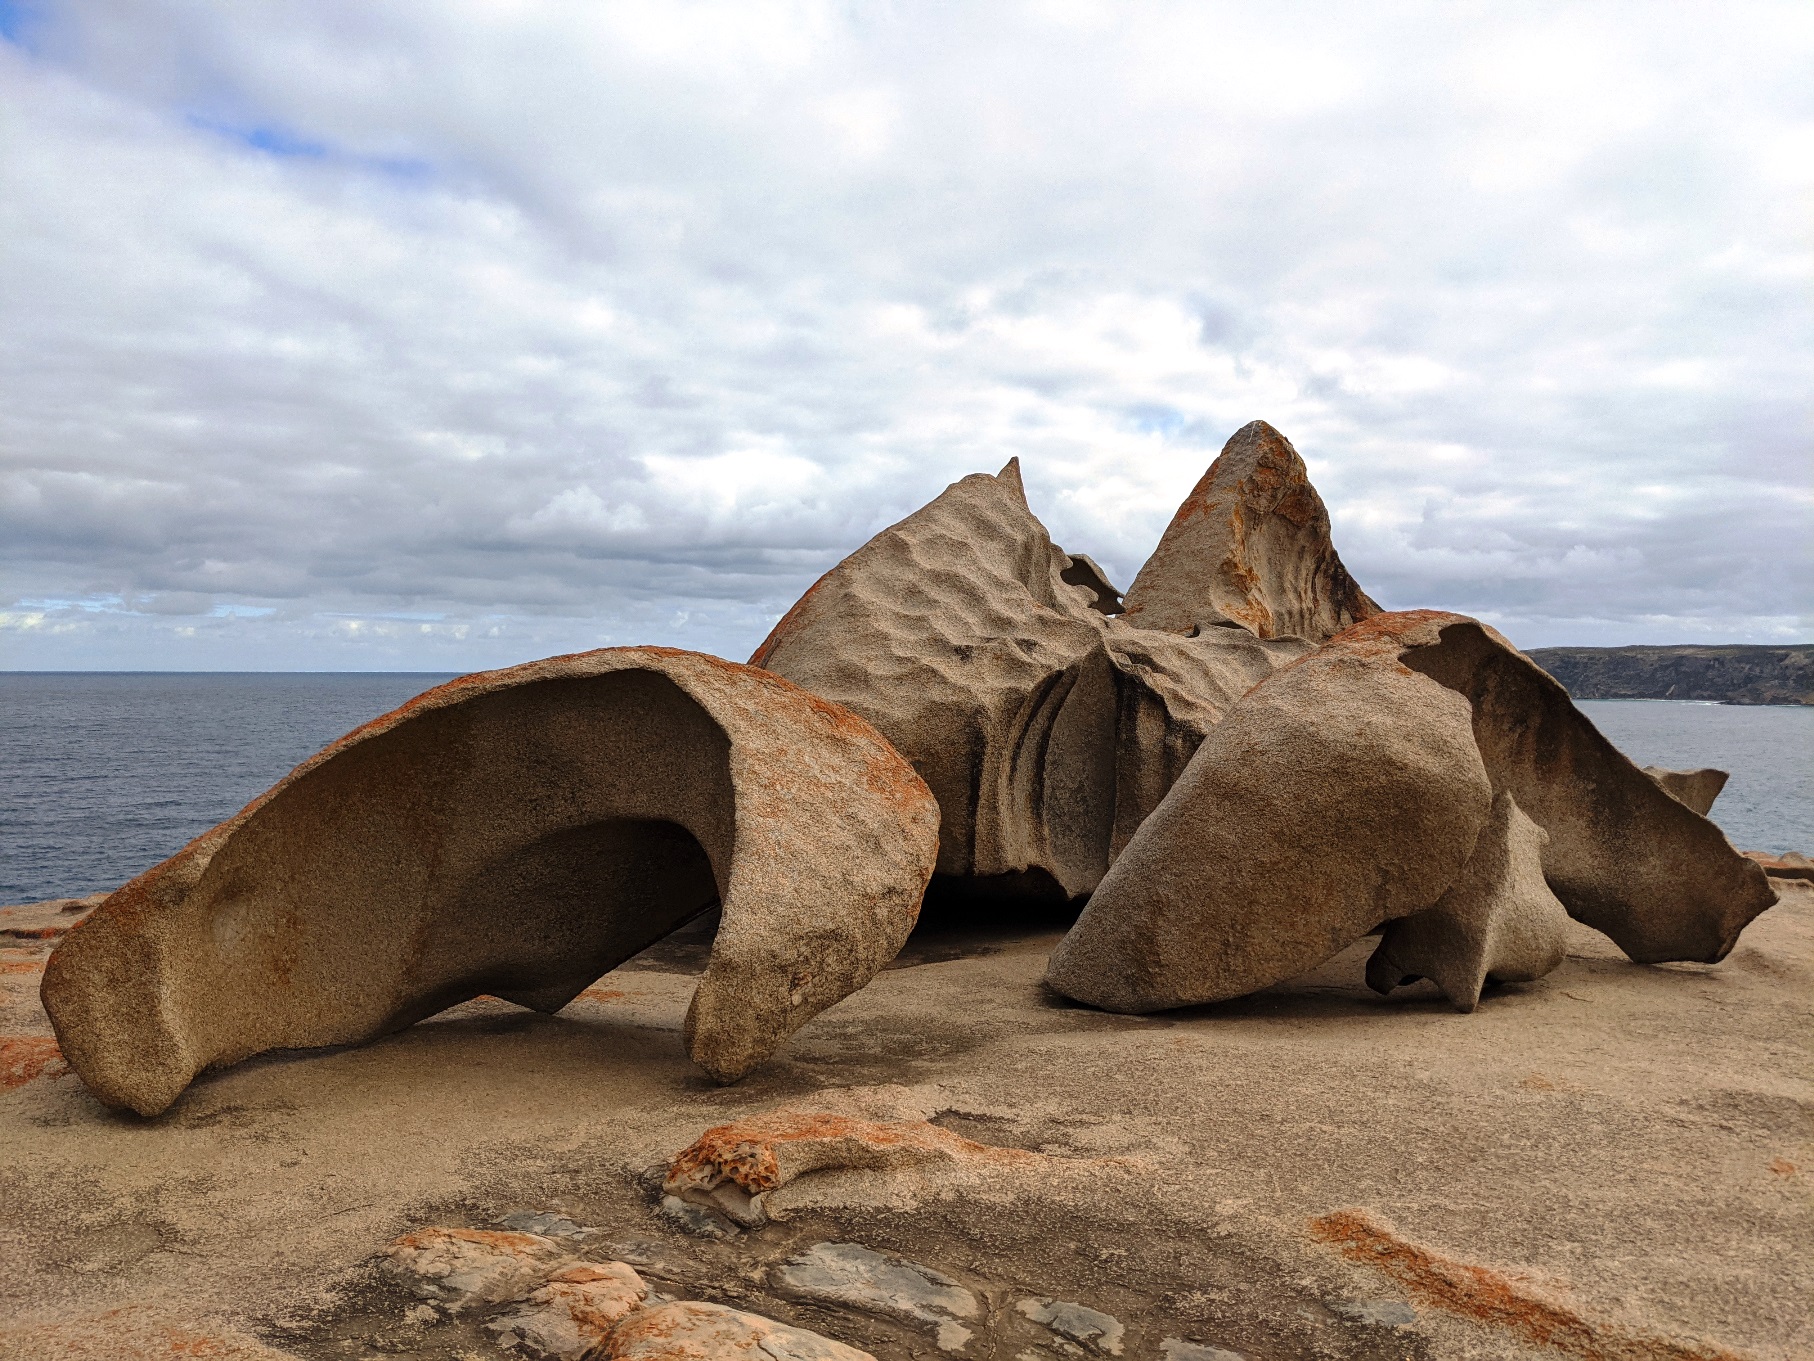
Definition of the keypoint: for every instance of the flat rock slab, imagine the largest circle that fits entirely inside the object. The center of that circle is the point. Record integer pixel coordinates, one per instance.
(574, 1313)
(1096, 1330)
(1176, 1349)
(857, 1277)
(1380, 1313)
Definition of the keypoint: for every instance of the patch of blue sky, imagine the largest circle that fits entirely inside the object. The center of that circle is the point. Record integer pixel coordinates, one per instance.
(94, 604)
(287, 144)
(241, 611)
(17, 18)
(272, 140)
(399, 617)
(1157, 420)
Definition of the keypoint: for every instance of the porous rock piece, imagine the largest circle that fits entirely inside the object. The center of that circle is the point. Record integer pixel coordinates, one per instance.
(856, 1277)
(689, 1330)
(1696, 789)
(1096, 1330)
(1249, 547)
(461, 1268)
(1497, 922)
(988, 656)
(1622, 856)
(516, 833)
(574, 1313)
(734, 1168)
(1342, 792)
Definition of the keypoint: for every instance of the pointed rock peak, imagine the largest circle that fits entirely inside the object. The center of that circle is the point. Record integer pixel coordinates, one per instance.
(1250, 546)
(1010, 474)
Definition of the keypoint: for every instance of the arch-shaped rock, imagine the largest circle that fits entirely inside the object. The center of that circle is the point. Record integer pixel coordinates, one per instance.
(517, 833)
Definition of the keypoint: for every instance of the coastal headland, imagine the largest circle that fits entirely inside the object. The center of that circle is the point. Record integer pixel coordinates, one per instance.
(1725, 675)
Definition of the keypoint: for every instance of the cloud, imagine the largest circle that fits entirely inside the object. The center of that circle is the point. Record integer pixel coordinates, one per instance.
(447, 335)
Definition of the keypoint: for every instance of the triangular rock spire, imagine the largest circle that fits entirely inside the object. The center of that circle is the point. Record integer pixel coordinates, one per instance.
(1249, 546)
(1010, 474)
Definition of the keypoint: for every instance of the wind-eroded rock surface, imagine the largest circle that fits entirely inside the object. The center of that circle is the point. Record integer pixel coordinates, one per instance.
(1047, 725)
(1350, 789)
(516, 833)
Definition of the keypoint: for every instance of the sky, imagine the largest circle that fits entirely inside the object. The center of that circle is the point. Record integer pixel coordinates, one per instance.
(442, 336)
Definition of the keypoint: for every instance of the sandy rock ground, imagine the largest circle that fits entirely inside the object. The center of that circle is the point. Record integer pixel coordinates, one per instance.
(1615, 1161)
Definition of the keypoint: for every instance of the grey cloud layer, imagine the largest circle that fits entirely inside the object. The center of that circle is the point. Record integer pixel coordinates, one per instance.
(448, 335)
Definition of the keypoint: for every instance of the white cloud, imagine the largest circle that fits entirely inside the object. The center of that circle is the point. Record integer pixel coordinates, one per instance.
(544, 326)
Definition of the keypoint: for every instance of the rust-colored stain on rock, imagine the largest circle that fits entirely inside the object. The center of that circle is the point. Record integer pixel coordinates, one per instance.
(750, 1153)
(1499, 1300)
(24, 1057)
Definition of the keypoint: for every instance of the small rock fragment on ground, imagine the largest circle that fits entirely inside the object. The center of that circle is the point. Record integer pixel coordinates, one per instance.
(1093, 1328)
(464, 1267)
(880, 1283)
(574, 1313)
(1177, 1349)
(696, 1219)
(693, 1331)
(1383, 1313)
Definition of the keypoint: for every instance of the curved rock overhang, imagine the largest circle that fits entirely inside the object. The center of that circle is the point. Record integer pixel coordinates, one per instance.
(516, 833)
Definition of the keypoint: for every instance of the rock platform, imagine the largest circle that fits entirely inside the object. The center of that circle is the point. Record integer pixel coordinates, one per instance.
(1614, 1161)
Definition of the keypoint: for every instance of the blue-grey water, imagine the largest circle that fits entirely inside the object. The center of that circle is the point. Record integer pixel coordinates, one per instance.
(104, 774)
(1768, 804)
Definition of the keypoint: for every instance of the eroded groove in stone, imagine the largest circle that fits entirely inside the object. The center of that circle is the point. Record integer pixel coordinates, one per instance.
(1046, 724)
(517, 833)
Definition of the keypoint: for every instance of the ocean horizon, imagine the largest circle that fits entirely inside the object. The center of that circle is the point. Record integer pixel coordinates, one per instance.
(105, 773)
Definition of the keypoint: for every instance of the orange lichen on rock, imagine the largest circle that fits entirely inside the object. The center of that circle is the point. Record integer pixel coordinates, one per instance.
(767, 1151)
(464, 1267)
(1519, 1306)
(24, 1057)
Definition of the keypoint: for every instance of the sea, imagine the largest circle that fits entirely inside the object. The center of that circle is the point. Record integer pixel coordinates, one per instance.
(103, 774)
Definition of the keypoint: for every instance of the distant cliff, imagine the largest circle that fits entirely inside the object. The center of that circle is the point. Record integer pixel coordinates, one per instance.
(1730, 675)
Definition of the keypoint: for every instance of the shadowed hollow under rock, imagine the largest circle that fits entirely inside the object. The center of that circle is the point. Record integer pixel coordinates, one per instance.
(516, 833)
